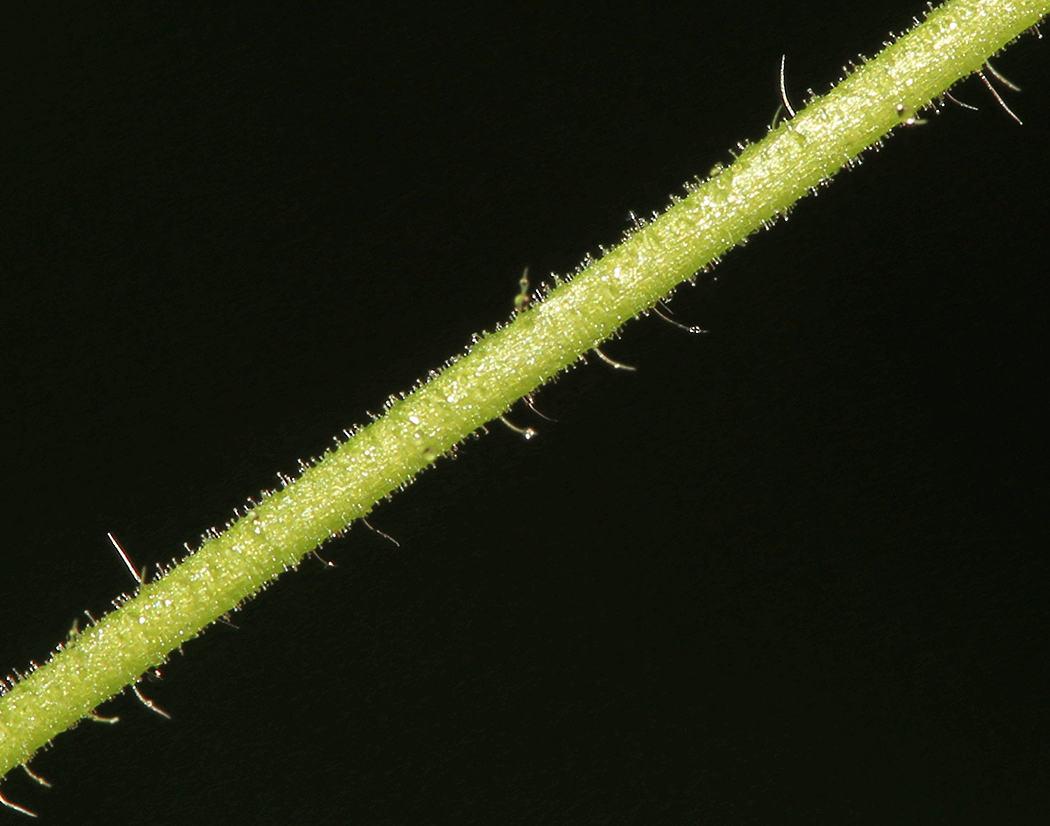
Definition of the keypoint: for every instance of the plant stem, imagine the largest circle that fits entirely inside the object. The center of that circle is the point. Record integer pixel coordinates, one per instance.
(546, 337)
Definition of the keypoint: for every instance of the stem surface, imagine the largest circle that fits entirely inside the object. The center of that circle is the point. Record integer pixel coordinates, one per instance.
(796, 157)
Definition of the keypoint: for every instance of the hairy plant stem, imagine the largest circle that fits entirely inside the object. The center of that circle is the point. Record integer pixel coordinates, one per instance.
(763, 183)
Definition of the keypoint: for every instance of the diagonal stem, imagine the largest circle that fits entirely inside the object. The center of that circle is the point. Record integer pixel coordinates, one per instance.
(543, 339)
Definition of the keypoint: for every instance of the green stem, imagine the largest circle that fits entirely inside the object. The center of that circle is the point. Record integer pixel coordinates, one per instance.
(546, 337)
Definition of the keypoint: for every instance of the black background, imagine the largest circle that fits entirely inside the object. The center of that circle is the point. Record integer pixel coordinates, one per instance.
(791, 571)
